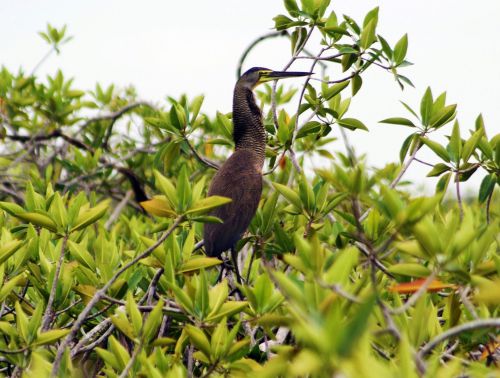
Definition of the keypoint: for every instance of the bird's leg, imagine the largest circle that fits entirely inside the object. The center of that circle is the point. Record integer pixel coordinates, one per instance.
(221, 273)
(234, 256)
(250, 265)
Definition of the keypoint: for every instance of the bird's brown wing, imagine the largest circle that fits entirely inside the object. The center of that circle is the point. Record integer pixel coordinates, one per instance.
(240, 180)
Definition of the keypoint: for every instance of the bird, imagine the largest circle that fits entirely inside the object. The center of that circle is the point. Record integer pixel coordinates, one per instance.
(240, 177)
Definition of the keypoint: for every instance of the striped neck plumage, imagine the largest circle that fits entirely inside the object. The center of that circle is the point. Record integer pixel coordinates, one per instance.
(248, 132)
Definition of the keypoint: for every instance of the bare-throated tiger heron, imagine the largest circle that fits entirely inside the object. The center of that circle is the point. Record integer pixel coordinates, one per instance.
(240, 177)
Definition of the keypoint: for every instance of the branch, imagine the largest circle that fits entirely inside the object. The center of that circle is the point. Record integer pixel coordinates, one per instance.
(131, 362)
(49, 311)
(118, 210)
(273, 93)
(415, 297)
(340, 291)
(470, 326)
(200, 158)
(459, 196)
(113, 117)
(282, 33)
(101, 292)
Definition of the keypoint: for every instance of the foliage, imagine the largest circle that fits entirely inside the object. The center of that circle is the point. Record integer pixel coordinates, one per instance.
(346, 272)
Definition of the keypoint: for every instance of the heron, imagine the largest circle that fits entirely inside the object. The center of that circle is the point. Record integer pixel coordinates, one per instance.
(240, 177)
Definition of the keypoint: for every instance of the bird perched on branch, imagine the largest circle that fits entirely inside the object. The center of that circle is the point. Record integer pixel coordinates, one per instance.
(240, 177)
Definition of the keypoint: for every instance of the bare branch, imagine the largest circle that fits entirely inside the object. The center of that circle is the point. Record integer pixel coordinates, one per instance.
(48, 316)
(415, 297)
(455, 331)
(118, 209)
(282, 33)
(200, 158)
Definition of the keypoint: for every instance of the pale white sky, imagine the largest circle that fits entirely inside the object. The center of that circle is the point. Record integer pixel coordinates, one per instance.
(173, 47)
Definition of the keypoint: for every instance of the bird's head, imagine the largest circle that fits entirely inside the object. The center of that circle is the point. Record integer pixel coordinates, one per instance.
(258, 75)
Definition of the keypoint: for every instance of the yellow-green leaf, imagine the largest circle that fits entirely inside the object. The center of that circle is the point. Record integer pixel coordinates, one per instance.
(206, 204)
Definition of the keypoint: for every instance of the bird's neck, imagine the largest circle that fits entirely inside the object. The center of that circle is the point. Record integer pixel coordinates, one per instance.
(248, 132)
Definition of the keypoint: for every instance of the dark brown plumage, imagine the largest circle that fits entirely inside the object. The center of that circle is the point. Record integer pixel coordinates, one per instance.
(240, 177)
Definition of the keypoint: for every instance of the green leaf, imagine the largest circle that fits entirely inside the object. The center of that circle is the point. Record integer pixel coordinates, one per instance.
(228, 309)
(159, 206)
(201, 296)
(120, 321)
(153, 322)
(38, 219)
(368, 35)
(356, 83)
(400, 50)
(206, 204)
(335, 89)
(407, 107)
(350, 334)
(49, 337)
(133, 313)
(89, 216)
(8, 249)
(198, 338)
(352, 124)
(81, 254)
(386, 48)
(455, 145)
(409, 269)
(398, 121)
(443, 182)
(22, 323)
(289, 194)
(8, 286)
(119, 351)
(487, 186)
(471, 144)
(405, 146)
(218, 341)
(426, 107)
(437, 149)
(184, 190)
(443, 116)
(168, 189)
(195, 107)
(217, 296)
(11, 208)
(282, 22)
(197, 263)
(371, 15)
(438, 169)
(292, 7)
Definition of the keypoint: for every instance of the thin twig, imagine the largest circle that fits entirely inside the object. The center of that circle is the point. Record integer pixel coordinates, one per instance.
(200, 158)
(131, 362)
(338, 290)
(100, 340)
(488, 204)
(470, 326)
(464, 292)
(459, 196)
(190, 361)
(403, 170)
(282, 33)
(415, 297)
(89, 335)
(48, 316)
(118, 209)
(115, 115)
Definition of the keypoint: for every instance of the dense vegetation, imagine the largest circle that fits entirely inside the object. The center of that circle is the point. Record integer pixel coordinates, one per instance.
(346, 271)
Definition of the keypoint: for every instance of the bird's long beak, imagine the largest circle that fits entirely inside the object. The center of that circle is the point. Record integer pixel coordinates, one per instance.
(276, 75)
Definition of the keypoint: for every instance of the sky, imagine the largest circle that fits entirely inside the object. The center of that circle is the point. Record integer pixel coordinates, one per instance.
(166, 48)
